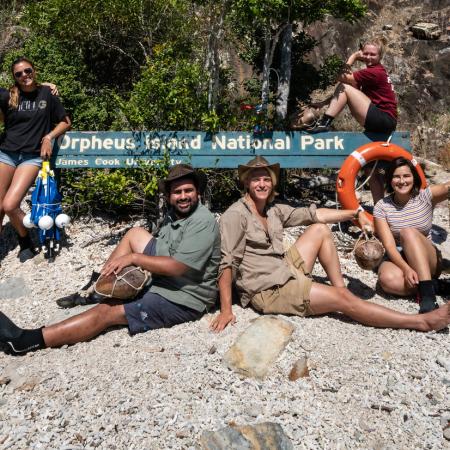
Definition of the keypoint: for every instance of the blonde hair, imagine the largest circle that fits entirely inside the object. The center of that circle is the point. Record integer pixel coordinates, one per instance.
(14, 90)
(376, 42)
(272, 175)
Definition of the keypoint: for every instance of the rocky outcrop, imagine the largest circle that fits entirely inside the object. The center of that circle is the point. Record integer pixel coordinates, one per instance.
(425, 30)
(417, 57)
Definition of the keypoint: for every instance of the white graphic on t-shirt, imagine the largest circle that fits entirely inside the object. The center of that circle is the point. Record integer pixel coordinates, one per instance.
(27, 105)
(390, 82)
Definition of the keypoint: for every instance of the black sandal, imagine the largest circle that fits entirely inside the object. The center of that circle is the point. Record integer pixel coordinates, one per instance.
(81, 298)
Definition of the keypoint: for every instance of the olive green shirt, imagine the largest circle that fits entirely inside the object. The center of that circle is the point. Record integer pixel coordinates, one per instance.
(194, 241)
(255, 256)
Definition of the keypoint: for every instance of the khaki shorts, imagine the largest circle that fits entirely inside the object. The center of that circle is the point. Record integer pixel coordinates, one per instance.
(292, 297)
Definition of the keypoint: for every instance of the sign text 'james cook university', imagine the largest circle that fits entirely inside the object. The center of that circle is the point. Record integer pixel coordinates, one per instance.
(221, 150)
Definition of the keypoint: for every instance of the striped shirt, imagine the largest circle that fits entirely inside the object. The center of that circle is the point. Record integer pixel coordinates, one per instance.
(417, 213)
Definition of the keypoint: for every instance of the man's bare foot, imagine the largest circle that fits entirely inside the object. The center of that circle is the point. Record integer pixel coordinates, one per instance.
(438, 319)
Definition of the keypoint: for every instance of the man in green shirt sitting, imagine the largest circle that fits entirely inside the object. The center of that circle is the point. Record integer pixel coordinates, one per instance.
(183, 258)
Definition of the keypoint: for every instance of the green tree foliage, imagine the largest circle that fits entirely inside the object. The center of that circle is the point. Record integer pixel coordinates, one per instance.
(117, 191)
(171, 93)
(305, 77)
(272, 13)
(260, 23)
(157, 64)
(115, 37)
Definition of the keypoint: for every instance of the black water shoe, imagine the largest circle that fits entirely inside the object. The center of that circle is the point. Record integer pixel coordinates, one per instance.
(322, 125)
(426, 304)
(442, 287)
(318, 128)
(27, 249)
(17, 340)
(79, 299)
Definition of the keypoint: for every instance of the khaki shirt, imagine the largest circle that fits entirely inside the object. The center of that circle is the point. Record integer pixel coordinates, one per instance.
(256, 256)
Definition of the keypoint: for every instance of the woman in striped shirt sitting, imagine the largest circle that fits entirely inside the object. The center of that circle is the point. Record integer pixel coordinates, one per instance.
(403, 223)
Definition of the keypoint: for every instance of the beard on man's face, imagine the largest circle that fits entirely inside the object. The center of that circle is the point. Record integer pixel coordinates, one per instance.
(184, 208)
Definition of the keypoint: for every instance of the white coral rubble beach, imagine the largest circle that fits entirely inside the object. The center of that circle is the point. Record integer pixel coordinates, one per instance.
(367, 387)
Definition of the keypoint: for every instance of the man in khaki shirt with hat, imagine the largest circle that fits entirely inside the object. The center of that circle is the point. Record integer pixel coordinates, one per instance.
(274, 281)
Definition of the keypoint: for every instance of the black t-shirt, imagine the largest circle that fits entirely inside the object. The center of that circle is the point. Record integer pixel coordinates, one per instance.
(37, 114)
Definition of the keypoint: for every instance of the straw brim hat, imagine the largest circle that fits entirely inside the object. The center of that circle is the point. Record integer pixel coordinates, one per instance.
(182, 171)
(258, 162)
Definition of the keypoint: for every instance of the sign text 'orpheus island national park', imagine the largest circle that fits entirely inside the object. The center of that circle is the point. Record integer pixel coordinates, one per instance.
(108, 149)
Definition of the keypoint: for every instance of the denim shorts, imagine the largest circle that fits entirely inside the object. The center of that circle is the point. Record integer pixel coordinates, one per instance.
(16, 159)
(150, 311)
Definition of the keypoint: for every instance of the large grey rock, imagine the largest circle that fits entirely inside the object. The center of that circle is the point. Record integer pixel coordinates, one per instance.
(258, 346)
(13, 288)
(262, 436)
(425, 30)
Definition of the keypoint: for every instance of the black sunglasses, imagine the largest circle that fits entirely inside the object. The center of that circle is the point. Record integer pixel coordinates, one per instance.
(27, 71)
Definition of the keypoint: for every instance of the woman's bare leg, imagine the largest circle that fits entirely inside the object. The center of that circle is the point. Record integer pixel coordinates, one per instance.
(354, 98)
(392, 280)
(325, 299)
(23, 178)
(6, 176)
(419, 252)
(317, 242)
(420, 255)
(376, 184)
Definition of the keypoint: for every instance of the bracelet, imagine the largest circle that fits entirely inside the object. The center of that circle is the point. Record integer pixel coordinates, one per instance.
(47, 136)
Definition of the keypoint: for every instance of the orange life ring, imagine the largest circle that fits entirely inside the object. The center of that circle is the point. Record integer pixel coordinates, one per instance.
(345, 183)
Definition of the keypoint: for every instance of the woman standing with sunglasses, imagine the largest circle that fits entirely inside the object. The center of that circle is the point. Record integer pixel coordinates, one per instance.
(33, 117)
